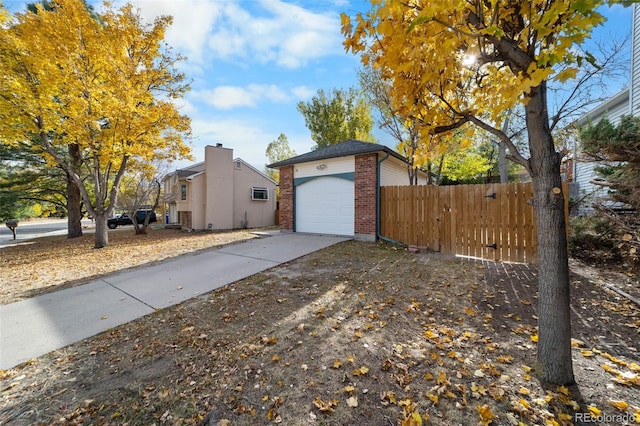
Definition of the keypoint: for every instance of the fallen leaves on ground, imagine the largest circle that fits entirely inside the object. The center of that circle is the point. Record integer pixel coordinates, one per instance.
(354, 334)
(43, 265)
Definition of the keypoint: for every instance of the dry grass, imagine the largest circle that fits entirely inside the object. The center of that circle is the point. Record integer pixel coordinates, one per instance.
(358, 333)
(47, 264)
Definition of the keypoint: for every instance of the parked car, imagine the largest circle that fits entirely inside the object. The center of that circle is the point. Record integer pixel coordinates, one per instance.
(124, 219)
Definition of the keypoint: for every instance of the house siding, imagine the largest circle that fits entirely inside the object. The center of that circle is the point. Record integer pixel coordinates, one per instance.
(218, 194)
(219, 188)
(248, 213)
(635, 64)
(584, 168)
(196, 193)
(366, 190)
(394, 172)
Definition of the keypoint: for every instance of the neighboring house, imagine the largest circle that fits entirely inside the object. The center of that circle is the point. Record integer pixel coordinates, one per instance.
(580, 170)
(335, 190)
(220, 193)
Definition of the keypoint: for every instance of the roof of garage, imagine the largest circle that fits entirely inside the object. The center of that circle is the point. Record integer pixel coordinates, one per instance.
(342, 149)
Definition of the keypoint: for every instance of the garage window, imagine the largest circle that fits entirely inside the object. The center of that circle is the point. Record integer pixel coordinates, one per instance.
(258, 193)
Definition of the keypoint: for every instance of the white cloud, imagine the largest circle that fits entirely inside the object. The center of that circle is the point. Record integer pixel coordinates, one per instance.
(303, 92)
(248, 140)
(192, 22)
(266, 31)
(227, 97)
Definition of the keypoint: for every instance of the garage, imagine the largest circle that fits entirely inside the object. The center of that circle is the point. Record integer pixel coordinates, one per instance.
(325, 205)
(334, 189)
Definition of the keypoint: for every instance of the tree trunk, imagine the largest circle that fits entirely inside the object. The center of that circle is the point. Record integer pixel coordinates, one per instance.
(502, 152)
(502, 162)
(102, 231)
(74, 209)
(554, 363)
(74, 198)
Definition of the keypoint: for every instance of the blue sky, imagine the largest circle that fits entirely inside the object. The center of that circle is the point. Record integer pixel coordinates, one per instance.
(252, 61)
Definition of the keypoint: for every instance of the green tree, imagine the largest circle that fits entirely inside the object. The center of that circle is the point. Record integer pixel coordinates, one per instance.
(338, 116)
(278, 150)
(617, 148)
(458, 65)
(106, 85)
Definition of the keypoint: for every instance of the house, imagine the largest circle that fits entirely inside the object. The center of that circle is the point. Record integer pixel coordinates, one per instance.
(580, 170)
(220, 193)
(335, 190)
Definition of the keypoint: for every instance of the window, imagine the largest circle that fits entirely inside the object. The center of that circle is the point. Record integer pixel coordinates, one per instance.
(259, 193)
(238, 165)
(183, 192)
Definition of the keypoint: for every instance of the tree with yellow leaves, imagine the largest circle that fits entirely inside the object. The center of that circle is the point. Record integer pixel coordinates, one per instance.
(106, 84)
(460, 65)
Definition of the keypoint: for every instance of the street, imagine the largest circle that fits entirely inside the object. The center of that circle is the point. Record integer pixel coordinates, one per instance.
(37, 228)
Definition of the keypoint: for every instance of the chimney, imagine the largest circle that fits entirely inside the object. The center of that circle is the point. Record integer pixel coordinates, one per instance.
(218, 145)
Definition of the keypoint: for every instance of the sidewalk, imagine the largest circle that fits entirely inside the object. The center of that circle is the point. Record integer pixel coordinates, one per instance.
(33, 327)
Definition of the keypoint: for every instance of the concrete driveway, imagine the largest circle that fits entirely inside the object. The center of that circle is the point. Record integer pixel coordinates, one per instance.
(33, 327)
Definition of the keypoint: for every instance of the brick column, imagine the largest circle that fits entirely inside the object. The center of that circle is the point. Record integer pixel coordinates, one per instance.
(286, 198)
(366, 194)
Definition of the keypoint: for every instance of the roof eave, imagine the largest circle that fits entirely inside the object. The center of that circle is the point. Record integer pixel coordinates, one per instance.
(374, 149)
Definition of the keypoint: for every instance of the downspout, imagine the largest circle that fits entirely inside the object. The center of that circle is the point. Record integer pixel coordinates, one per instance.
(389, 240)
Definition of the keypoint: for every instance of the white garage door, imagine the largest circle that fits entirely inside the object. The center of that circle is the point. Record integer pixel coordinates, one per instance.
(325, 206)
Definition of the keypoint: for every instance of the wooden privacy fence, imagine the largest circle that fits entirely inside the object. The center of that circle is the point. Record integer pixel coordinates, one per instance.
(494, 221)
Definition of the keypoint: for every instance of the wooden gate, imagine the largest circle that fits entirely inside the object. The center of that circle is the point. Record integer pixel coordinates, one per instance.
(494, 221)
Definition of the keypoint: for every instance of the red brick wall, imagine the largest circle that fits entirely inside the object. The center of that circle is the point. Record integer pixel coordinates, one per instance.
(366, 196)
(286, 198)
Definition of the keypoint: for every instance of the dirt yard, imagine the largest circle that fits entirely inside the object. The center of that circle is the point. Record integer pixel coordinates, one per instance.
(358, 333)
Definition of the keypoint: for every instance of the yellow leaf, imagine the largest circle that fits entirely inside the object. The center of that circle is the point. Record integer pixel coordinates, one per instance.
(586, 353)
(324, 406)
(595, 412)
(534, 338)
(361, 371)
(337, 364)
(349, 389)
(389, 396)
(524, 391)
(430, 334)
(620, 405)
(486, 416)
(505, 359)
(524, 403)
(442, 378)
